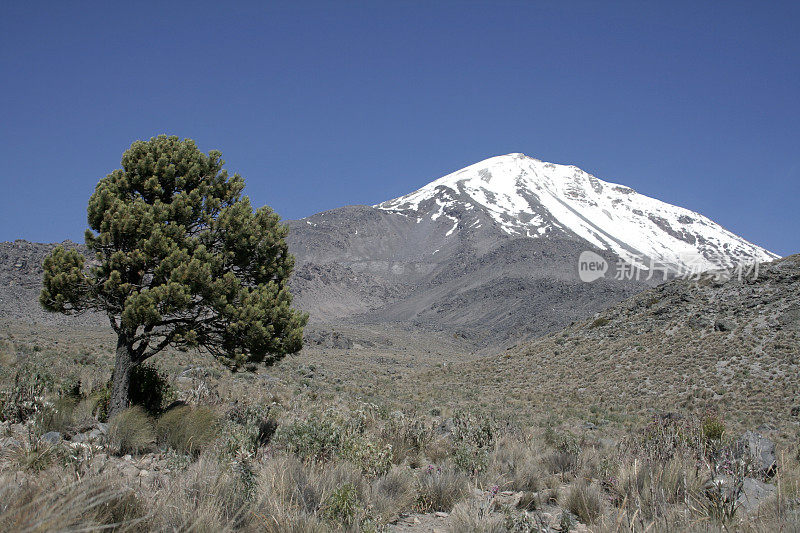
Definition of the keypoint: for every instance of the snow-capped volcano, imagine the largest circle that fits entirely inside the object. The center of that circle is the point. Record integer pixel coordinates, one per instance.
(523, 196)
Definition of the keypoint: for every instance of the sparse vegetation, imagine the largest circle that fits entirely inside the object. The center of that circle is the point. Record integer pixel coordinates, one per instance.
(188, 429)
(131, 432)
(515, 443)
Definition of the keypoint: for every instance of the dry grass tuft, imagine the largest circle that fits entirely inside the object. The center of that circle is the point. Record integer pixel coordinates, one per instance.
(131, 432)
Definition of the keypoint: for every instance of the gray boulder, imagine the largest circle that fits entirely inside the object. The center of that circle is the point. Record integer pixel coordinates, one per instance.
(754, 493)
(759, 451)
(51, 437)
(748, 493)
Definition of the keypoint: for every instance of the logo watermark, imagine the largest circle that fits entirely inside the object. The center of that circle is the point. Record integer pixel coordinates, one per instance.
(592, 266)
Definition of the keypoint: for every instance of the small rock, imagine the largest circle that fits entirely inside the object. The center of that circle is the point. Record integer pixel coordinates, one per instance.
(441, 514)
(51, 437)
(79, 438)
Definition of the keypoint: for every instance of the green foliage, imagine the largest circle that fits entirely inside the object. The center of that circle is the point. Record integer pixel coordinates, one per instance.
(26, 394)
(188, 429)
(713, 427)
(131, 432)
(149, 389)
(249, 428)
(333, 435)
(182, 260)
(58, 417)
(474, 437)
(341, 506)
(599, 322)
(101, 399)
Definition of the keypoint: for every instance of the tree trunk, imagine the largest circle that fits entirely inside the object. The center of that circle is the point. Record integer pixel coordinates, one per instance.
(121, 383)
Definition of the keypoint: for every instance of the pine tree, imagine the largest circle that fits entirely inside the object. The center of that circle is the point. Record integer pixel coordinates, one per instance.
(182, 260)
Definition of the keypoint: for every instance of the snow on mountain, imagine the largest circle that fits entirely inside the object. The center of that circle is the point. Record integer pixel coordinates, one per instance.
(523, 196)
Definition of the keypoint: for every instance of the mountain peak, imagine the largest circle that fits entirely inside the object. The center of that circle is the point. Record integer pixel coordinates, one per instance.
(526, 197)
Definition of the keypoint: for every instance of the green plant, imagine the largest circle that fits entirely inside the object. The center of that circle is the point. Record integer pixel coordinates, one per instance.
(713, 427)
(131, 432)
(599, 322)
(474, 437)
(315, 438)
(341, 506)
(149, 389)
(182, 260)
(26, 395)
(60, 416)
(188, 429)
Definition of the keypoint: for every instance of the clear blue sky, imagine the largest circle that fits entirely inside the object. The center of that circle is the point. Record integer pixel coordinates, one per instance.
(320, 105)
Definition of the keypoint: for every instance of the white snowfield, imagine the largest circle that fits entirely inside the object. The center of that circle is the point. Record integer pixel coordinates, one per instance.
(528, 197)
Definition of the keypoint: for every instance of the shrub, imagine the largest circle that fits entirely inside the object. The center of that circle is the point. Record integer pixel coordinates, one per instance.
(25, 397)
(315, 438)
(599, 322)
(99, 401)
(439, 489)
(188, 429)
(474, 437)
(341, 506)
(149, 389)
(332, 435)
(476, 517)
(247, 429)
(713, 427)
(131, 431)
(584, 501)
(392, 493)
(407, 437)
(372, 458)
(60, 416)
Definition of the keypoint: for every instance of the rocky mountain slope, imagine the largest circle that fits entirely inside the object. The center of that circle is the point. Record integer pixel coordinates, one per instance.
(489, 252)
(492, 250)
(731, 346)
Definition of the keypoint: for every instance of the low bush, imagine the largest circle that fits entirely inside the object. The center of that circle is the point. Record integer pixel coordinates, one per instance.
(342, 505)
(393, 493)
(188, 429)
(584, 501)
(131, 432)
(330, 436)
(26, 394)
(475, 517)
(150, 389)
(439, 489)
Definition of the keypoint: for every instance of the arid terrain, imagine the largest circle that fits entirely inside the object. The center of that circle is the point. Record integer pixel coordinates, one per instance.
(627, 420)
